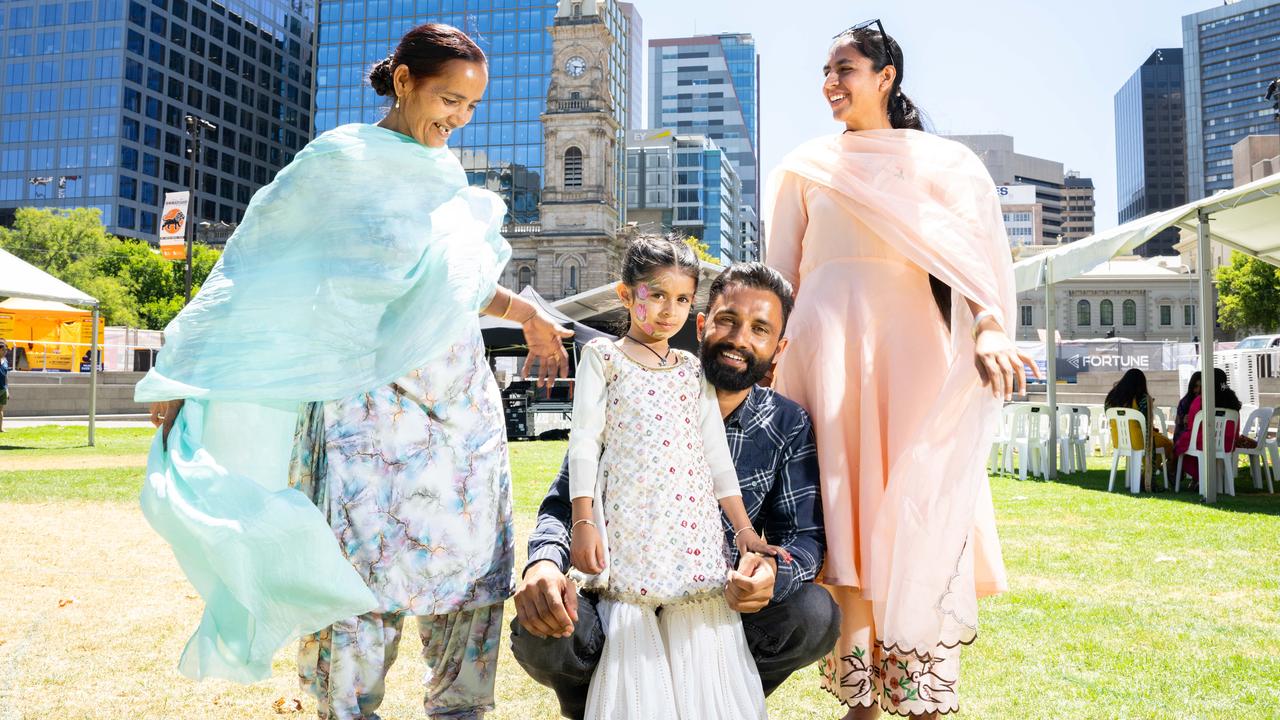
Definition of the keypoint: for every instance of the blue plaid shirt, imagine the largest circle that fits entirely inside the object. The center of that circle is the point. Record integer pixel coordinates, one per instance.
(771, 440)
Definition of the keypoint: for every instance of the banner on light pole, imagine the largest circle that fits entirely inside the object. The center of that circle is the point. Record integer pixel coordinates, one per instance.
(173, 225)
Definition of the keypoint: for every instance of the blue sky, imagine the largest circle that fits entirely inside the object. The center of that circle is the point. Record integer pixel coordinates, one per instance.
(1044, 72)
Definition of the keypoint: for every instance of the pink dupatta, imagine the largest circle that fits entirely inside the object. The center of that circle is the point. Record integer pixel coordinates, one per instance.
(933, 201)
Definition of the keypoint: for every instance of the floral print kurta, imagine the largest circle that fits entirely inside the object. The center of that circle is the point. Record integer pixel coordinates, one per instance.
(415, 480)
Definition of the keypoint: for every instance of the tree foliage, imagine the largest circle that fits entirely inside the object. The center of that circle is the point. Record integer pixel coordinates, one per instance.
(1249, 295)
(702, 249)
(133, 284)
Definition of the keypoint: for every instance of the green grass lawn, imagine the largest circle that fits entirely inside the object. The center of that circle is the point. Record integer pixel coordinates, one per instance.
(1120, 606)
(68, 441)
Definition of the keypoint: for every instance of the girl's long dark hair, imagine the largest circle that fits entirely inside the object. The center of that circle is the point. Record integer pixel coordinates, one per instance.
(1131, 386)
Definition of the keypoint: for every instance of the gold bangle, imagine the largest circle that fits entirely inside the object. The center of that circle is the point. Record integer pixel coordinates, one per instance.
(507, 309)
(583, 521)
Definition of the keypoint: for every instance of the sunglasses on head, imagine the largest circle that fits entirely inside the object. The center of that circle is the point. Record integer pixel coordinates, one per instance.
(879, 28)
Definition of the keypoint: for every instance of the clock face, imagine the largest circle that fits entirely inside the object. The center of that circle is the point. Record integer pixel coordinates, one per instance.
(575, 66)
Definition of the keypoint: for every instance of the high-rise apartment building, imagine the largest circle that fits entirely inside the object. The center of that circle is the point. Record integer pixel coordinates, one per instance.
(1230, 53)
(685, 183)
(1077, 207)
(710, 85)
(1011, 168)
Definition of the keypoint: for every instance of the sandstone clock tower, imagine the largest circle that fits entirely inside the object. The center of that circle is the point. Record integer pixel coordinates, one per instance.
(578, 247)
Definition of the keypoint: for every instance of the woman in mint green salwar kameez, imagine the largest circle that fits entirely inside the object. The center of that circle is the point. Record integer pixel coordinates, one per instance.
(332, 456)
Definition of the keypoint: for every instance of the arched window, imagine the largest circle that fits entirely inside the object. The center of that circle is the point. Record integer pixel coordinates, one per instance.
(1084, 313)
(571, 278)
(572, 168)
(1130, 311)
(524, 277)
(1106, 313)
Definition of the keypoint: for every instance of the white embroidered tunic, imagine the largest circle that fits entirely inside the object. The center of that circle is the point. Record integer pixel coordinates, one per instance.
(649, 445)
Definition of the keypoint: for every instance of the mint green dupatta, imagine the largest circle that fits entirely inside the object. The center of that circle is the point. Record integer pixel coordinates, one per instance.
(365, 259)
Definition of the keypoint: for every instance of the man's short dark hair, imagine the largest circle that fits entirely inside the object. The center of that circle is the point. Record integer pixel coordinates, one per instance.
(754, 275)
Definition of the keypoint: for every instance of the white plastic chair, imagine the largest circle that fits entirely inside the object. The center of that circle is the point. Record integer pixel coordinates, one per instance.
(1030, 440)
(1271, 444)
(1000, 443)
(1255, 428)
(1227, 480)
(1101, 438)
(1075, 428)
(1119, 421)
(1159, 420)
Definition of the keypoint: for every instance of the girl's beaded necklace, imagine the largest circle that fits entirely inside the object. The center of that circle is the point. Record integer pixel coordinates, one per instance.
(662, 359)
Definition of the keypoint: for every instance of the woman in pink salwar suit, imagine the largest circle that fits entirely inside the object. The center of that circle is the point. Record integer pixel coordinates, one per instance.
(895, 242)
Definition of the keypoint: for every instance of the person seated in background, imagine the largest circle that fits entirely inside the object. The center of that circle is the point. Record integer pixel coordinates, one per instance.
(1224, 397)
(1131, 392)
(1182, 418)
(4, 381)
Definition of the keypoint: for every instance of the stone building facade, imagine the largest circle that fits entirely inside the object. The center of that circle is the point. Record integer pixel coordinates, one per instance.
(578, 244)
(1127, 297)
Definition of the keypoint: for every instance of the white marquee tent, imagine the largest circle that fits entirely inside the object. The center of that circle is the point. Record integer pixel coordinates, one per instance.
(1245, 219)
(19, 278)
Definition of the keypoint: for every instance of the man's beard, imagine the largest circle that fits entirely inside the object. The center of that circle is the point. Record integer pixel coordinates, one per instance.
(725, 378)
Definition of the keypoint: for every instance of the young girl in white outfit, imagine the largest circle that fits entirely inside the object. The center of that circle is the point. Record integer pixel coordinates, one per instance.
(648, 461)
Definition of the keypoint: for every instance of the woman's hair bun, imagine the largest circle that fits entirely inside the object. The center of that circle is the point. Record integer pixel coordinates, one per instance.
(381, 78)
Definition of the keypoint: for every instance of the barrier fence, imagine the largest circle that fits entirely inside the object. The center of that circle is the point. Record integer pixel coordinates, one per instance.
(48, 356)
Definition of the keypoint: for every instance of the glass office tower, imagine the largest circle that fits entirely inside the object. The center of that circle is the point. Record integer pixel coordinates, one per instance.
(95, 93)
(1230, 54)
(502, 148)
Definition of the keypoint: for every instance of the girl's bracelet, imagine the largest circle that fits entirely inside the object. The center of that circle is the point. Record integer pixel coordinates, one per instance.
(592, 523)
(736, 533)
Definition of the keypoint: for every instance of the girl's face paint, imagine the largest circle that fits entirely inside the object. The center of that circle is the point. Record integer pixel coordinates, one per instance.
(661, 305)
(642, 309)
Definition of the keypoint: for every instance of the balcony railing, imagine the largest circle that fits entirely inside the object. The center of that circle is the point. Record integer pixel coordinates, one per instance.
(573, 195)
(576, 105)
(519, 229)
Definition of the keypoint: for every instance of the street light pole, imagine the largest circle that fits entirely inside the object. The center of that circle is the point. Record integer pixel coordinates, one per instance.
(1273, 94)
(194, 126)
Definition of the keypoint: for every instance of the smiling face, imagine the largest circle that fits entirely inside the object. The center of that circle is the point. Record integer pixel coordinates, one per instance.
(857, 95)
(741, 336)
(659, 306)
(433, 107)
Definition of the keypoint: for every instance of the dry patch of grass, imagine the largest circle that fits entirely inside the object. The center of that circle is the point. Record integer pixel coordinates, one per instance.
(94, 621)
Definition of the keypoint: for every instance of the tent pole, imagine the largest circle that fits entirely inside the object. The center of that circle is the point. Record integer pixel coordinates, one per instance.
(1209, 468)
(1051, 366)
(93, 377)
